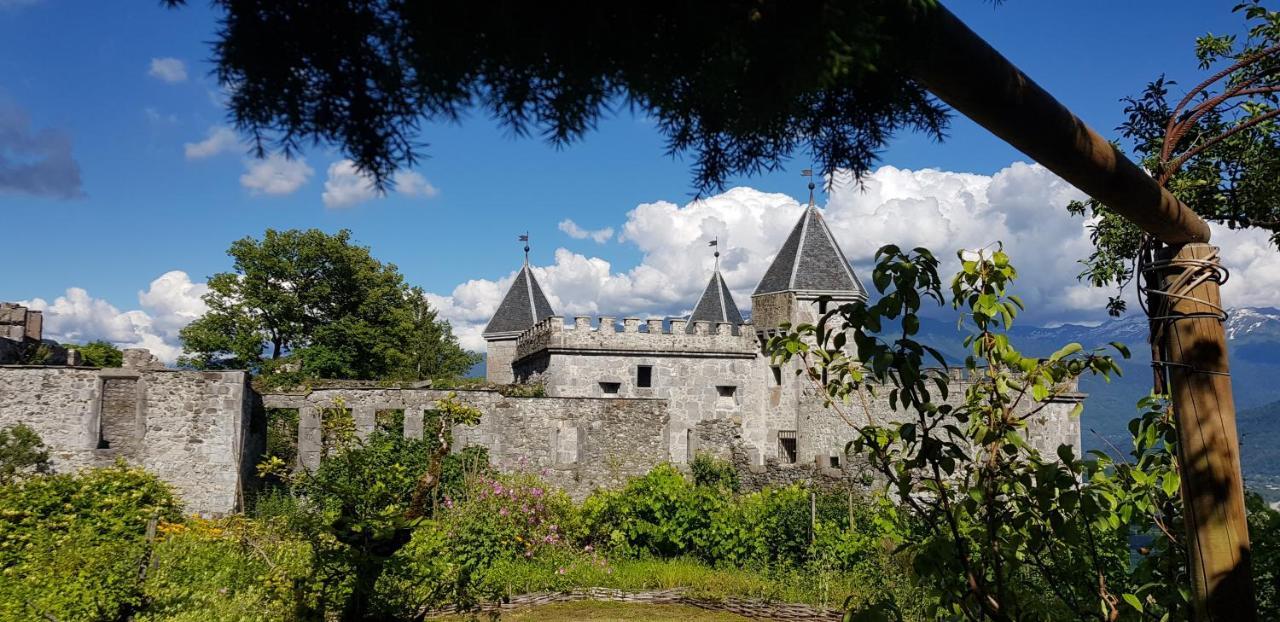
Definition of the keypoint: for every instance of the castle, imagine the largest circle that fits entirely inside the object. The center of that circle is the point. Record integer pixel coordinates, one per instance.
(620, 397)
(711, 366)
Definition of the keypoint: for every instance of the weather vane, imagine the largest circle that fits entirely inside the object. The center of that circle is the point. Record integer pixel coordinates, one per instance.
(715, 242)
(809, 173)
(525, 238)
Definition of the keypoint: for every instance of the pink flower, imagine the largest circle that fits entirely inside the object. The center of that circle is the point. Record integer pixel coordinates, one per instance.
(560, 570)
(503, 512)
(536, 492)
(588, 548)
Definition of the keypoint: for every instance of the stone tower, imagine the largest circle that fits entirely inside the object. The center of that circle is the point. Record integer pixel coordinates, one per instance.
(716, 304)
(795, 427)
(809, 265)
(522, 307)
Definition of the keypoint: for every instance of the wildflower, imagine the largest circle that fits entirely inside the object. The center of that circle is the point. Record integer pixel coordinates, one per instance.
(503, 512)
(560, 570)
(588, 548)
(536, 492)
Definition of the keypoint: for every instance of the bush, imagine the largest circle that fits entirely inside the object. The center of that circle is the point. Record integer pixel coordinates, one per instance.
(72, 546)
(660, 513)
(710, 471)
(506, 518)
(22, 453)
(231, 570)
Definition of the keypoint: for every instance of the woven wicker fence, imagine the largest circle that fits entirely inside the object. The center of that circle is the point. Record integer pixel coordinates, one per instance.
(757, 609)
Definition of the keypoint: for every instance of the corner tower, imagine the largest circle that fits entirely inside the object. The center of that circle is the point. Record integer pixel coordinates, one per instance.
(808, 266)
(522, 307)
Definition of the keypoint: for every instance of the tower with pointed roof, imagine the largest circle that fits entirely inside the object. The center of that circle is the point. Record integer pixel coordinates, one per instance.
(716, 304)
(522, 307)
(810, 265)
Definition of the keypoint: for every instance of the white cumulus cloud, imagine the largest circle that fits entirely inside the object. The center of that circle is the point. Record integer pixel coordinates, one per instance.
(572, 229)
(170, 302)
(346, 186)
(1022, 205)
(275, 174)
(171, 70)
(219, 139)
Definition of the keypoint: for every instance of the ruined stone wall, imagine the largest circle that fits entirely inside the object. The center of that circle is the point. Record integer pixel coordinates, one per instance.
(192, 429)
(578, 444)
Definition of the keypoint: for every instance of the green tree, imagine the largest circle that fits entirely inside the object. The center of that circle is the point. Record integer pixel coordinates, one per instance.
(1217, 151)
(99, 353)
(363, 502)
(324, 304)
(1004, 533)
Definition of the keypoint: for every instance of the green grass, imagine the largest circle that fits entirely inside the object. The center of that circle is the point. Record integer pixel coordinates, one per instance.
(603, 610)
(698, 580)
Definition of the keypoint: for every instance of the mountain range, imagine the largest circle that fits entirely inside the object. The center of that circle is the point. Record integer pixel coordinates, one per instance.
(1253, 335)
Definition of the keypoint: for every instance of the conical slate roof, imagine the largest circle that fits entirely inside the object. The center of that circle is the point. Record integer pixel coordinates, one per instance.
(716, 304)
(522, 307)
(811, 262)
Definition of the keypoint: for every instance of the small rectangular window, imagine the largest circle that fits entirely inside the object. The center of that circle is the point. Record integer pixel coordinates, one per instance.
(726, 391)
(610, 388)
(644, 376)
(777, 375)
(835, 462)
(787, 446)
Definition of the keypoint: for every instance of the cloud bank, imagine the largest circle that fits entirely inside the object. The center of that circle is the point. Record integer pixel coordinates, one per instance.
(170, 302)
(1022, 205)
(35, 162)
(346, 186)
(170, 70)
(275, 175)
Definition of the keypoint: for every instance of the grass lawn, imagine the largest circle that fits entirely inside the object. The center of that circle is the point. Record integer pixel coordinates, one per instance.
(603, 610)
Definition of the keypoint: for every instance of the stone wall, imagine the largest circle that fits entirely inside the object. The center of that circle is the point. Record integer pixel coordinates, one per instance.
(695, 387)
(578, 444)
(551, 335)
(199, 431)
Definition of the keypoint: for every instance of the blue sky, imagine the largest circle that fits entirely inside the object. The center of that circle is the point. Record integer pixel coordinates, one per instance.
(83, 72)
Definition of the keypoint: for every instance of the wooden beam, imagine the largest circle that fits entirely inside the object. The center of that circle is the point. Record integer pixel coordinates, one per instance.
(964, 71)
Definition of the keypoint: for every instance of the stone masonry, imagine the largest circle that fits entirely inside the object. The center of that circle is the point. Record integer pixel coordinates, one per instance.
(578, 444)
(200, 431)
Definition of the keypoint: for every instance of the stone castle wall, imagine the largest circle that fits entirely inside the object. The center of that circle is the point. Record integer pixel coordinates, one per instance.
(578, 444)
(199, 431)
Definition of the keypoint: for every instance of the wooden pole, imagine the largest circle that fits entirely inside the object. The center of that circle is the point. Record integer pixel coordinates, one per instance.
(1187, 316)
(964, 71)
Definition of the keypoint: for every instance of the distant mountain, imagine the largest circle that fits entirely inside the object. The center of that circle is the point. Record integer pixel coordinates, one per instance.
(1253, 338)
(1254, 342)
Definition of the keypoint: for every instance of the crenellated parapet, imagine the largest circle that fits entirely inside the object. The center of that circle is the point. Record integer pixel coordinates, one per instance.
(651, 335)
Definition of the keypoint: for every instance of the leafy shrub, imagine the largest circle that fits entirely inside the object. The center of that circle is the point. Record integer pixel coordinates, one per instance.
(72, 546)
(660, 513)
(505, 518)
(232, 570)
(710, 471)
(22, 453)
